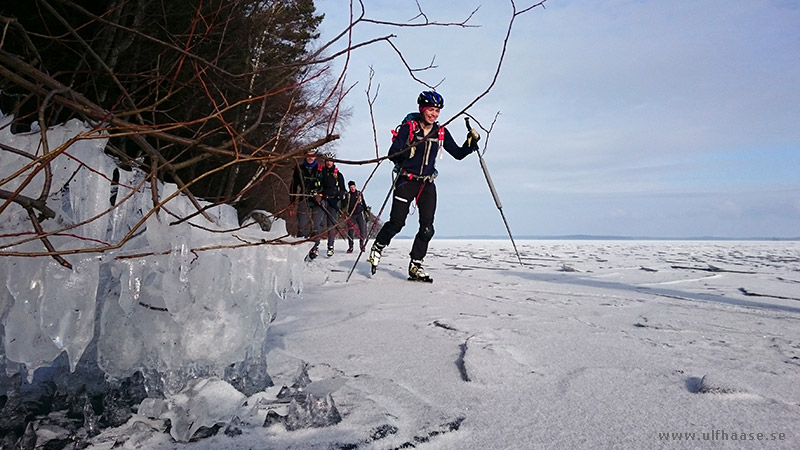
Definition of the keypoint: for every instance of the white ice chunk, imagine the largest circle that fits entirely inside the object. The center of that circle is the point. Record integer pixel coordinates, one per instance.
(204, 403)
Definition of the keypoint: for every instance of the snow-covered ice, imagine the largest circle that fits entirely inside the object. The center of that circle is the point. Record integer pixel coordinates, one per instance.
(638, 345)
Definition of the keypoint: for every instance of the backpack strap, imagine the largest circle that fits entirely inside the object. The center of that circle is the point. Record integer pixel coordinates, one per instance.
(412, 127)
(412, 119)
(441, 142)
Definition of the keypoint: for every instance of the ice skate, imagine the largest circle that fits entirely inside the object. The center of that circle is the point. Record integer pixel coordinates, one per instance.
(417, 273)
(375, 256)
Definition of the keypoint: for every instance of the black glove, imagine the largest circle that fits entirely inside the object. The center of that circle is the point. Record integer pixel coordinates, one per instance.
(472, 139)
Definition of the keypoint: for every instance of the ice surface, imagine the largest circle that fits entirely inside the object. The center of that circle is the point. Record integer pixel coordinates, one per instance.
(607, 356)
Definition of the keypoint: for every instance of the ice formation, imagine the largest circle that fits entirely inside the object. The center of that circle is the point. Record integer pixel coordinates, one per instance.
(176, 303)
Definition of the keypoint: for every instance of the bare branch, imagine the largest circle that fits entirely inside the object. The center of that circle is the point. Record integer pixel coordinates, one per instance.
(502, 56)
(224, 125)
(38, 227)
(427, 22)
(28, 203)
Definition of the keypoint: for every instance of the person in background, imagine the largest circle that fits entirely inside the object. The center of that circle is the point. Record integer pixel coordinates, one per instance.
(306, 197)
(332, 192)
(354, 209)
(417, 143)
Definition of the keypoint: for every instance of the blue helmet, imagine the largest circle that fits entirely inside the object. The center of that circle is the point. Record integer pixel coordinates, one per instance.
(430, 98)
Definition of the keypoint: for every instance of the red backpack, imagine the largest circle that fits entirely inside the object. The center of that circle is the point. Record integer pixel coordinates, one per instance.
(412, 119)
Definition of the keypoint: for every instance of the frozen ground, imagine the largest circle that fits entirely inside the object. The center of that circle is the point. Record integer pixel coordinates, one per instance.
(591, 345)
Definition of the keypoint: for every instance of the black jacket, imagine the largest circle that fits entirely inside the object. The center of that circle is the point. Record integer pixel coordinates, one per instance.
(332, 183)
(354, 203)
(307, 179)
(421, 160)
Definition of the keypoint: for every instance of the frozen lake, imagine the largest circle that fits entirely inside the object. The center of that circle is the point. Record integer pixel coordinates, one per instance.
(593, 344)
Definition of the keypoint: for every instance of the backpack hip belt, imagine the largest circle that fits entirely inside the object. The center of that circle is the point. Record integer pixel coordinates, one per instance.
(426, 178)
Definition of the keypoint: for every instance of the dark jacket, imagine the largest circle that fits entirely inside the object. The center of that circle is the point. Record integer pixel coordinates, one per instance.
(307, 179)
(332, 183)
(421, 160)
(354, 203)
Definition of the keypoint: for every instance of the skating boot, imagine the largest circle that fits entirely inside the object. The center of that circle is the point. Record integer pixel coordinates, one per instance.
(330, 252)
(312, 253)
(375, 256)
(417, 273)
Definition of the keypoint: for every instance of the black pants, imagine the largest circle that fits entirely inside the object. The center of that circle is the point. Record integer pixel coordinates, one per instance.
(309, 212)
(331, 216)
(357, 226)
(406, 191)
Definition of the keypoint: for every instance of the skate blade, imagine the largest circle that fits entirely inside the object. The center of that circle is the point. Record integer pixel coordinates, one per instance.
(421, 280)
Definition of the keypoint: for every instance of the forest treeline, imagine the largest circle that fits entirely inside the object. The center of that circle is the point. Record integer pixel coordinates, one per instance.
(217, 96)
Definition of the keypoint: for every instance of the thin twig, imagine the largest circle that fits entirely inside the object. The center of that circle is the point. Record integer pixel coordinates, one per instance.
(38, 227)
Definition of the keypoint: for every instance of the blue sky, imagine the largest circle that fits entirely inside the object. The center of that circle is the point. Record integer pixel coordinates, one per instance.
(616, 117)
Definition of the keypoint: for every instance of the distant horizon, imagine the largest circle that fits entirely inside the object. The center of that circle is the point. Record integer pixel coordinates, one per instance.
(590, 237)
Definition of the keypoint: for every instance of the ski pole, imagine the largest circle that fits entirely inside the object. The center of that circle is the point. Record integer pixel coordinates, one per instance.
(332, 219)
(352, 226)
(495, 196)
(374, 223)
